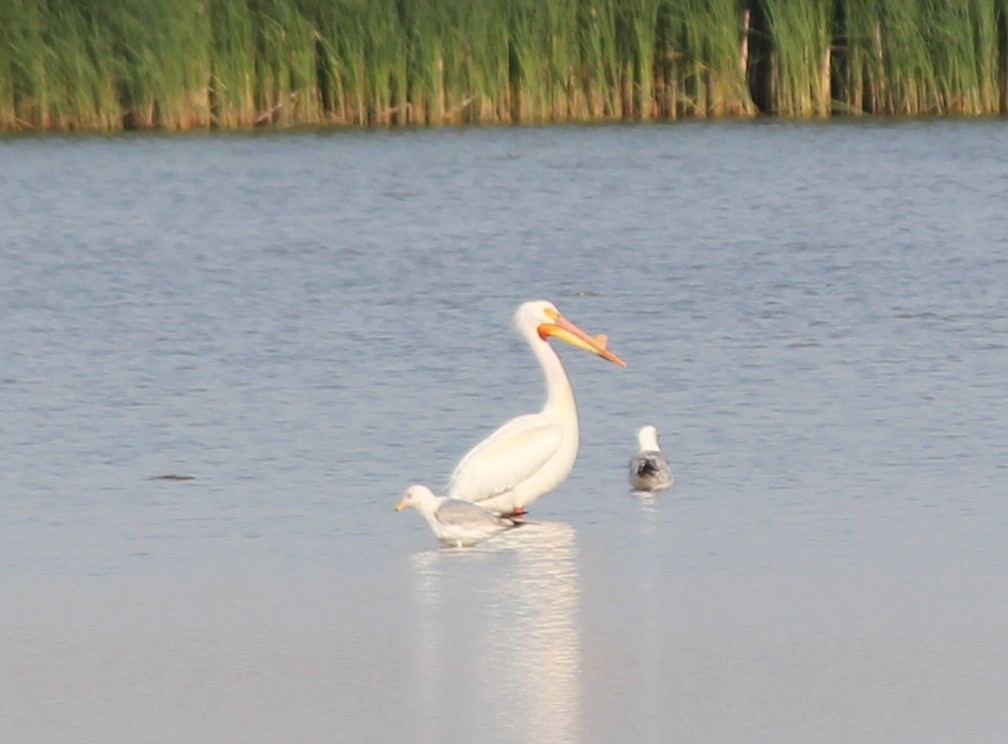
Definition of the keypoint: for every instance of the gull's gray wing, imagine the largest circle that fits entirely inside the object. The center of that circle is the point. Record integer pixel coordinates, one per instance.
(649, 463)
(650, 471)
(463, 514)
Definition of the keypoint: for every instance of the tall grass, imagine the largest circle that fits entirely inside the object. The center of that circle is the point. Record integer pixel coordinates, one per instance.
(925, 56)
(178, 64)
(231, 83)
(801, 64)
(704, 59)
(159, 56)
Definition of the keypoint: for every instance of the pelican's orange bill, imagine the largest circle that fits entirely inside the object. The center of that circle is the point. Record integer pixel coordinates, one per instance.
(566, 331)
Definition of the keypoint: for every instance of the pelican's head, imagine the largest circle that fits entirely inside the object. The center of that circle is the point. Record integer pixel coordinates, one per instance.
(415, 496)
(648, 439)
(541, 318)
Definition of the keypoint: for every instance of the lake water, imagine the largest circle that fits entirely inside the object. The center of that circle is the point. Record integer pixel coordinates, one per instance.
(814, 315)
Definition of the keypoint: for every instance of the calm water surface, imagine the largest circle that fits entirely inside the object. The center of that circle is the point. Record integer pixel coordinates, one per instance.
(814, 315)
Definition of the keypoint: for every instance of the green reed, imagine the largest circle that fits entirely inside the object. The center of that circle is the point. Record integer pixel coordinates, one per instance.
(925, 56)
(232, 87)
(703, 59)
(161, 58)
(51, 73)
(802, 57)
(178, 64)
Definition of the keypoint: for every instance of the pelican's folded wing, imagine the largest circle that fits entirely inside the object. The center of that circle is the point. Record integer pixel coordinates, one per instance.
(509, 456)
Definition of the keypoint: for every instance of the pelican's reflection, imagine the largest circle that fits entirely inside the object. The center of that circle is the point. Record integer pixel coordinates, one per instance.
(498, 647)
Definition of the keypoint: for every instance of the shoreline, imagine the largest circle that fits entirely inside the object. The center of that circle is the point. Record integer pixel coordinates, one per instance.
(277, 64)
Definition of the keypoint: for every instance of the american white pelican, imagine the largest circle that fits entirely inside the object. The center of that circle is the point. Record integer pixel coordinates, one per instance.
(457, 524)
(530, 455)
(649, 468)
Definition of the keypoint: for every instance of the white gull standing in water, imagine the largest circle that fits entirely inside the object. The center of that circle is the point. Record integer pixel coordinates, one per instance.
(457, 524)
(649, 468)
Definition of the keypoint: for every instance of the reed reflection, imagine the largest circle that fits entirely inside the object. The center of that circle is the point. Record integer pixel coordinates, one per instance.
(497, 649)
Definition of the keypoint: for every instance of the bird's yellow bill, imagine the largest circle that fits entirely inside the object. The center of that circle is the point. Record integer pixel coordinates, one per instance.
(401, 505)
(564, 330)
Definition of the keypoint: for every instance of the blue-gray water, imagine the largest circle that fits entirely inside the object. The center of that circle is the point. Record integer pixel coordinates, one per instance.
(814, 315)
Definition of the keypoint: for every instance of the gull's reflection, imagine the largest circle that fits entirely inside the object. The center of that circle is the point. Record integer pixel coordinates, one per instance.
(498, 648)
(649, 511)
(649, 627)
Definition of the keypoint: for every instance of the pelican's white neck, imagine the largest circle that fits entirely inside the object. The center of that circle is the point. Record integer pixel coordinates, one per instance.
(559, 394)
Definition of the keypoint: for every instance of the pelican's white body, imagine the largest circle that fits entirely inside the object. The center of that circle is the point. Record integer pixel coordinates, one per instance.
(530, 455)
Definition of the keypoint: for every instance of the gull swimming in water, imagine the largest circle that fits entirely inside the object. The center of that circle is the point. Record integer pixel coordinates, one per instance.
(456, 524)
(532, 454)
(649, 468)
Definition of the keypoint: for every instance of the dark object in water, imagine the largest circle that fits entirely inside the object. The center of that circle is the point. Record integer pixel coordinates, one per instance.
(172, 476)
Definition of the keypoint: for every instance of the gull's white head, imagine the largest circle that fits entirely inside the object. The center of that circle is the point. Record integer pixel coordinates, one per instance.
(416, 496)
(541, 319)
(648, 439)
